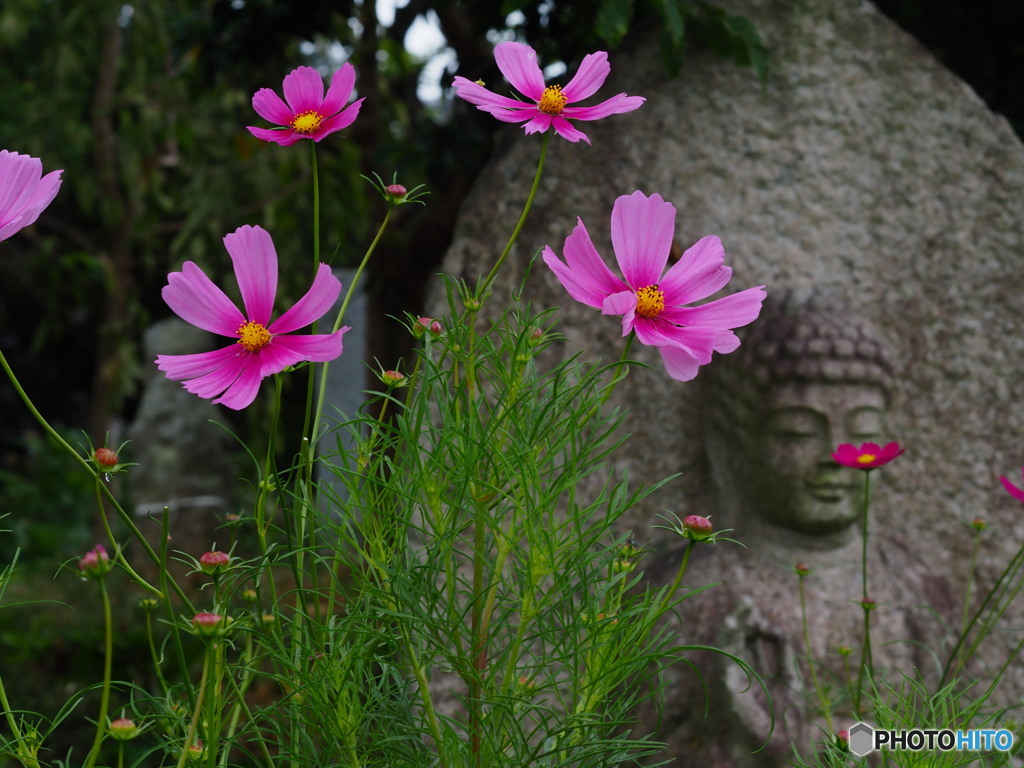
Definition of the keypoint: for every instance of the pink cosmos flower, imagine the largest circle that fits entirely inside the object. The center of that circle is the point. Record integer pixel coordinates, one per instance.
(24, 191)
(261, 348)
(306, 113)
(868, 456)
(1013, 490)
(650, 300)
(547, 106)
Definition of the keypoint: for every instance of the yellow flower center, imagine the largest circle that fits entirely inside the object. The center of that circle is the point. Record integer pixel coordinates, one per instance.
(650, 301)
(866, 458)
(307, 122)
(552, 100)
(253, 336)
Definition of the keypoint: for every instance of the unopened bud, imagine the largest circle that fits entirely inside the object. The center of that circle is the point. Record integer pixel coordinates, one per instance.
(95, 564)
(867, 604)
(393, 378)
(424, 324)
(105, 458)
(396, 192)
(697, 528)
(214, 563)
(979, 524)
(209, 624)
(801, 569)
(123, 729)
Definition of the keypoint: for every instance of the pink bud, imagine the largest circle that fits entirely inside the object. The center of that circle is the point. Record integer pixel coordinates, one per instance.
(392, 378)
(697, 528)
(209, 624)
(105, 458)
(95, 563)
(123, 729)
(801, 569)
(214, 563)
(397, 192)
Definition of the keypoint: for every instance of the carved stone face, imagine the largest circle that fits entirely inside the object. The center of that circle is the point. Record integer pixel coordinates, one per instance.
(792, 481)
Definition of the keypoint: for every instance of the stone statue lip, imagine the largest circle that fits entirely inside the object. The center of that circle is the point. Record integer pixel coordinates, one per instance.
(829, 491)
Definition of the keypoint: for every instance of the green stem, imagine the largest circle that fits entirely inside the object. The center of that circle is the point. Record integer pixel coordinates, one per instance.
(192, 726)
(316, 208)
(970, 580)
(125, 517)
(108, 656)
(9, 714)
(118, 555)
(865, 649)
(315, 426)
(822, 700)
(666, 601)
(486, 283)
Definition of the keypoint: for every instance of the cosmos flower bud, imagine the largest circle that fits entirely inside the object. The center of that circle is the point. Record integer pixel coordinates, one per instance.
(123, 729)
(393, 378)
(979, 524)
(801, 569)
(396, 192)
(214, 563)
(206, 624)
(105, 458)
(95, 564)
(697, 528)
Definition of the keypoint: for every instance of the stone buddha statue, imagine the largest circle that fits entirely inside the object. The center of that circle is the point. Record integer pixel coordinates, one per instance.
(809, 375)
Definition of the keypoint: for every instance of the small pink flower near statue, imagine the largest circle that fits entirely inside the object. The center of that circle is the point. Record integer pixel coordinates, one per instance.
(24, 191)
(306, 112)
(650, 299)
(868, 456)
(547, 106)
(261, 348)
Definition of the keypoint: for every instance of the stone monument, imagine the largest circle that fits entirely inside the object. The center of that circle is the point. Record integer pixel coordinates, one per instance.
(861, 166)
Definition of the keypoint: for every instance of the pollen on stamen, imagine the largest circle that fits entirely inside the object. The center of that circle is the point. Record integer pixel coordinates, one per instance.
(253, 336)
(866, 458)
(650, 301)
(552, 100)
(307, 122)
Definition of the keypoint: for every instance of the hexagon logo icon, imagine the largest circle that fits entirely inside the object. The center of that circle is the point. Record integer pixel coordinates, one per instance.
(861, 739)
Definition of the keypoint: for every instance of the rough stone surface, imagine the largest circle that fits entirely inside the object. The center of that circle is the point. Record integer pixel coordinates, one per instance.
(186, 463)
(862, 166)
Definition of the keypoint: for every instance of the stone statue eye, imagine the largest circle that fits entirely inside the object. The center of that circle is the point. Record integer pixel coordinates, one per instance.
(864, 422)
(794, 425)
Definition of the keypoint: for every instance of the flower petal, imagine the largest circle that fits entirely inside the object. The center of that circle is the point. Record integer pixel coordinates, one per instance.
(303, 90)
(342, 82)
(269, 106)
(180, 367)
(679, 363)
(538, 123)
(623, 304)
(1013, 490)
(255, 261)
(642, 230)
(194, 298)
(698, 274)
(733, 311)
(343, 119)
(476, 94)
(567, 130)
(311, 307)
(518, 63)
(284, 351)
(243, 390)
(584, 274)
(699, 342)
(284, 138)
(616, 105)
(589, 77)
